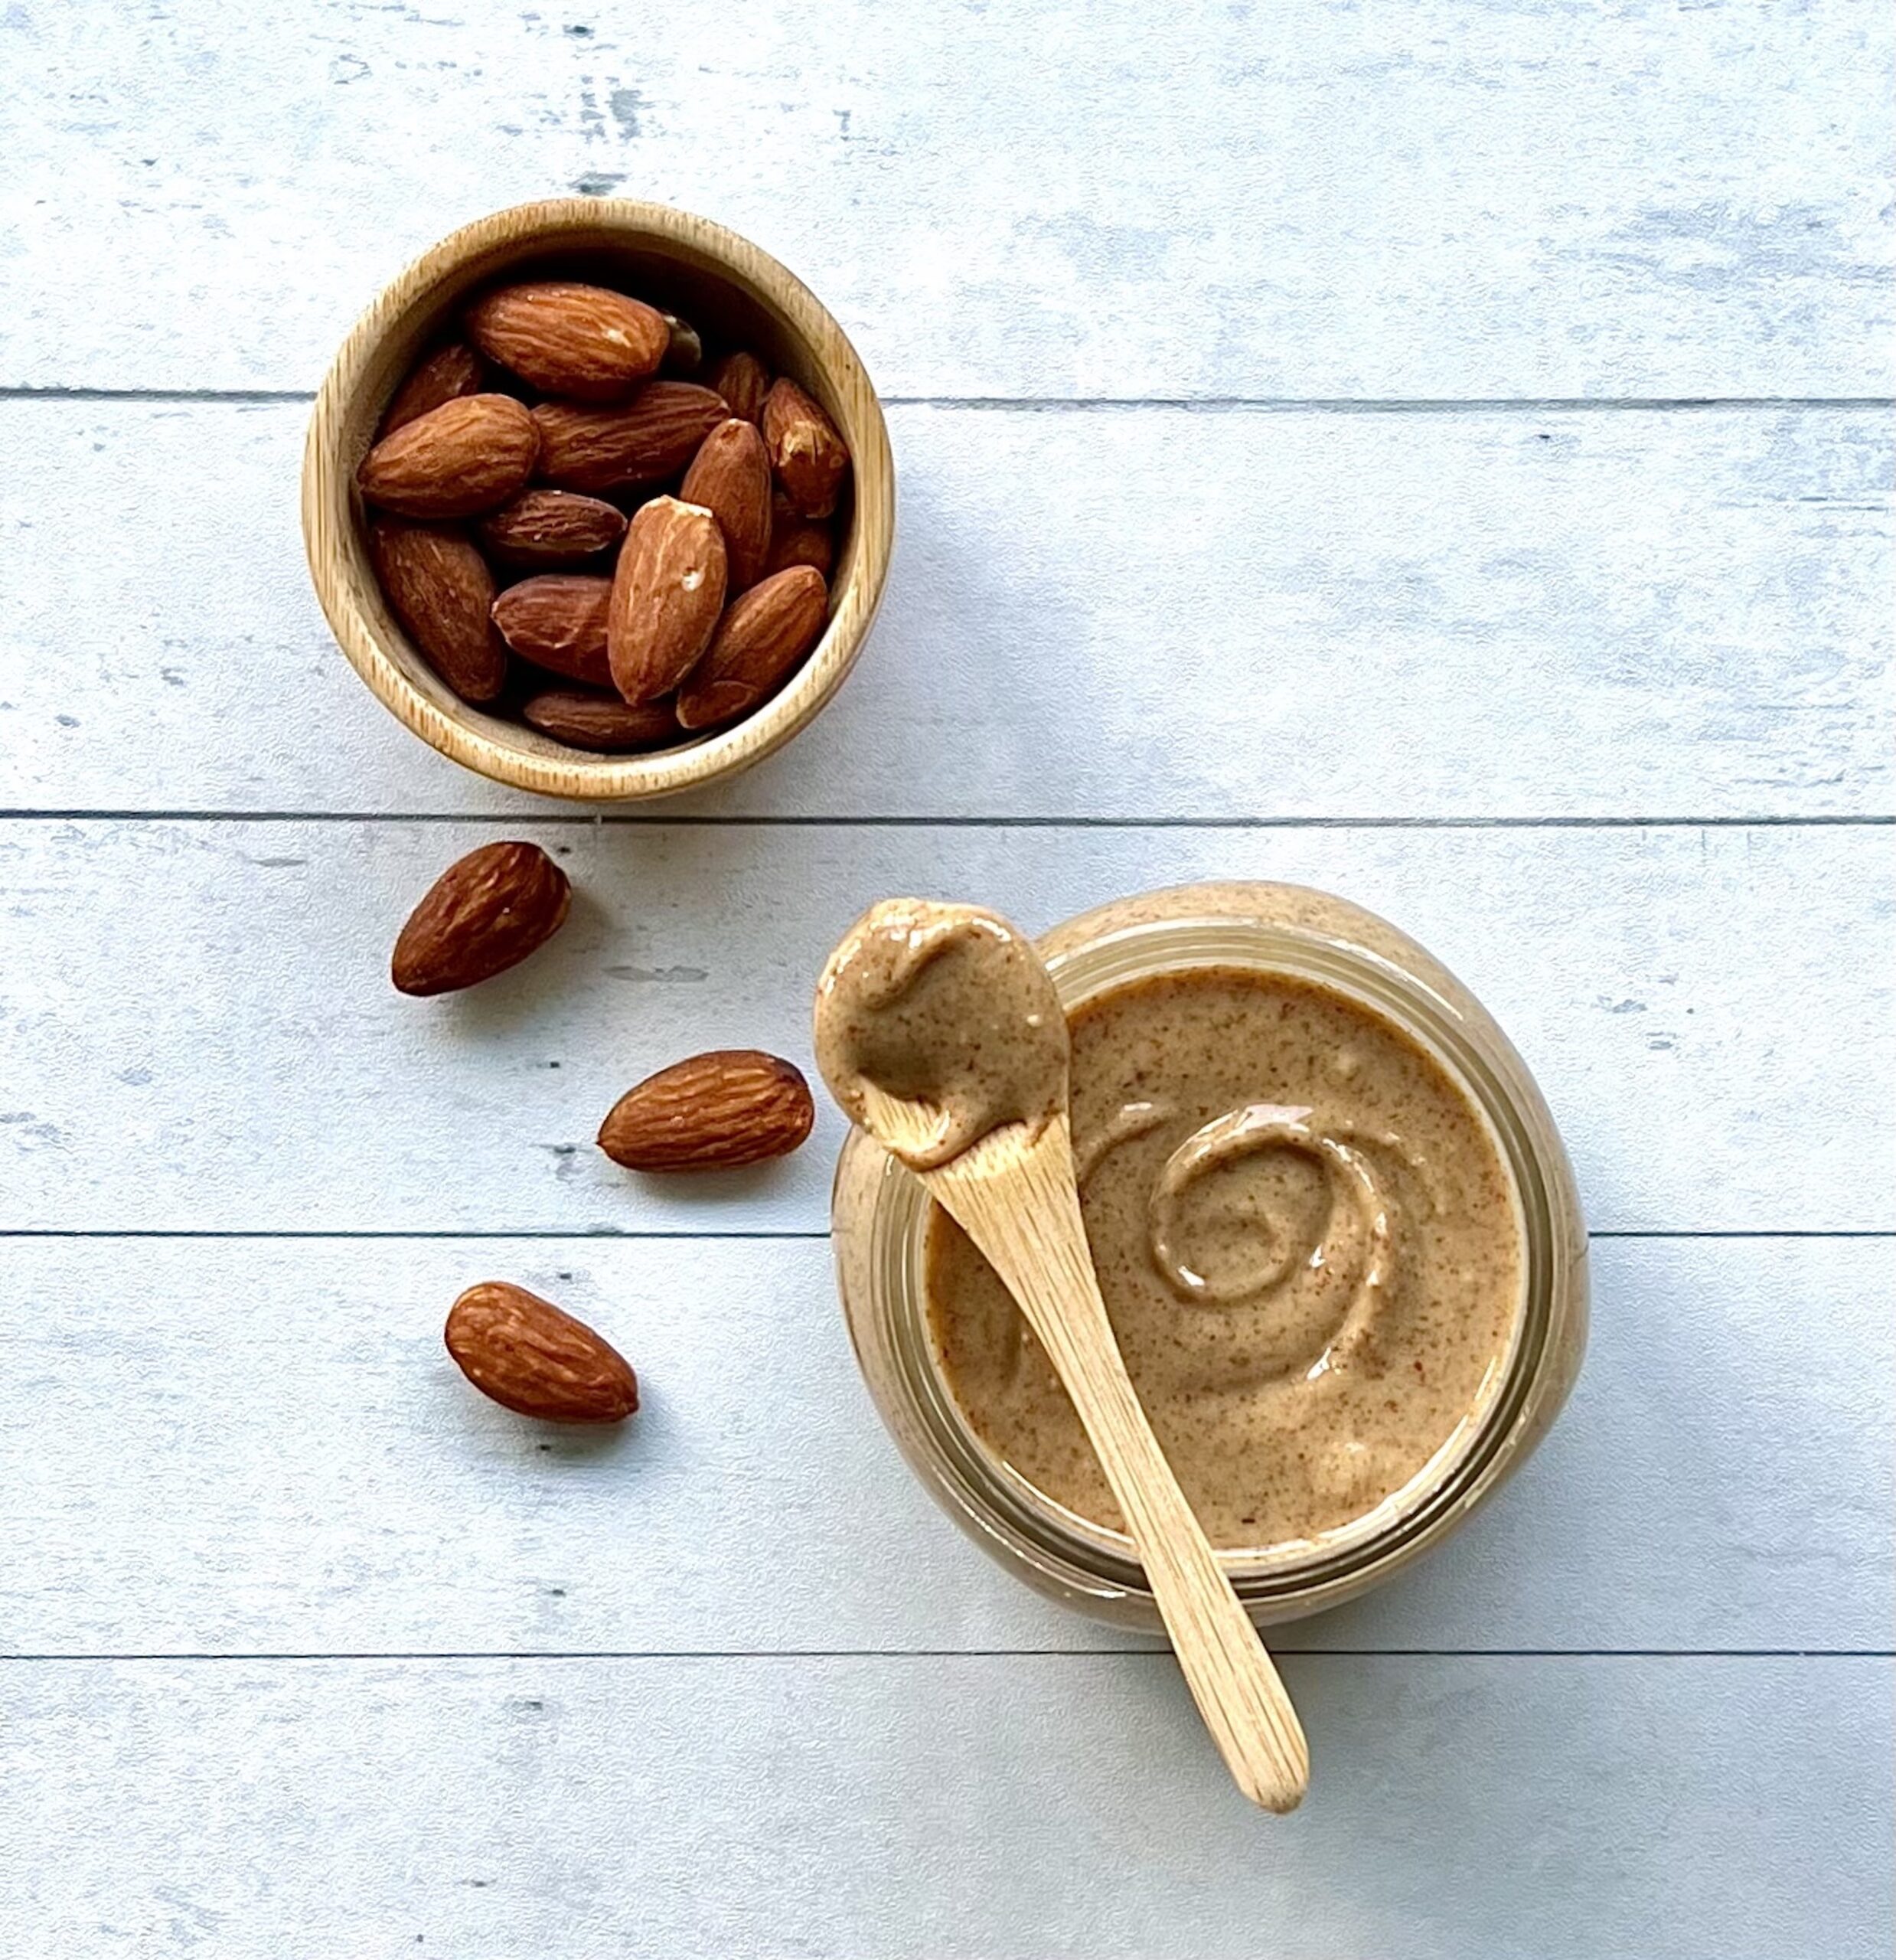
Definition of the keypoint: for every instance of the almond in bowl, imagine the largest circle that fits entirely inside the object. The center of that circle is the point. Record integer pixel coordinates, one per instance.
(598, 500)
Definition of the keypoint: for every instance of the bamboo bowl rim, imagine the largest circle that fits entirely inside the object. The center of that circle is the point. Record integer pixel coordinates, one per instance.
(380, 652)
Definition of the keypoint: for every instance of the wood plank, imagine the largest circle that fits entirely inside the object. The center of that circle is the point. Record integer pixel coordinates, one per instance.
(258, 1446)
(200, 1033)
(1150, 613)
(1432, 200)
(1574, 1810)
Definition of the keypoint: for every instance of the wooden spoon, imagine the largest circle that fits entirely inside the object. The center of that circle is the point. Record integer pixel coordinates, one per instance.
(1012, 1190)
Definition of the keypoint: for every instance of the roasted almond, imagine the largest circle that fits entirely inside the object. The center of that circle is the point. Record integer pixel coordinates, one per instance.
(730, 477)
(586, 342)
(741, 379)
(485, 912)
(467, 456)
(445, 375)
(714, 1112)
(668, 591)
(684, 352)
(533, 1357)
(440, 587)
(584, 720)
(796, 540)
(653, 436)
(762, 636)
(545, 528)
(810, 457)
(558, 621)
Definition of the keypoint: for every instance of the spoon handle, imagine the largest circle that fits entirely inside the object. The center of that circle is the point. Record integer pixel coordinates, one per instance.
(1024, 1217)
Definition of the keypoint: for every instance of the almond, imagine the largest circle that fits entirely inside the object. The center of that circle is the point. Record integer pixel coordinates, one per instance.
(568, 339)
(796, 540)
(584, 720)
(684, 352)
(666, 594)
(558, 621)
(741, 379)
(810, 457)
(548, 528)
(730, 477)
(530, 1356)
(440, 587)
(469, 455)
(653, 436)
(714, 1112)
(447, 374)
(761, 637)
(485, 912)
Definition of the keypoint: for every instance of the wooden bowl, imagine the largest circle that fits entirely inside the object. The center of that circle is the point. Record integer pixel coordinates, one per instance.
(735, 295)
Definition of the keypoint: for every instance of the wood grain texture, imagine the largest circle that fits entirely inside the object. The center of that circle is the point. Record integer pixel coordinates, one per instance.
(259, 1446)
(201, 1033)
(1428, 201)
(1005, 1808)
(1560, 615)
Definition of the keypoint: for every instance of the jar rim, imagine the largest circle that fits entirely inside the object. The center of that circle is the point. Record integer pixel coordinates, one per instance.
(998, 1503)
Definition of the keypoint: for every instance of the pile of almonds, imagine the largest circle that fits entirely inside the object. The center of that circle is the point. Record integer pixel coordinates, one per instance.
(486, 912)
(567, 527)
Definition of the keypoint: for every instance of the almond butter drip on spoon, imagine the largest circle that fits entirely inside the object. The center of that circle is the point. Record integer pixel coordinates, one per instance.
(939, 1031)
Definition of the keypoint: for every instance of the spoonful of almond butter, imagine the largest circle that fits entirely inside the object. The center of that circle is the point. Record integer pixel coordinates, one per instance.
(939, 1031)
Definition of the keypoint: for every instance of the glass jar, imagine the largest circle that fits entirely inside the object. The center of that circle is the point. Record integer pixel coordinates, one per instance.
(881, 1215)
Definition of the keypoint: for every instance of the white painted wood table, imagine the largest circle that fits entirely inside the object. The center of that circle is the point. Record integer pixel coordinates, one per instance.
(1436, 450)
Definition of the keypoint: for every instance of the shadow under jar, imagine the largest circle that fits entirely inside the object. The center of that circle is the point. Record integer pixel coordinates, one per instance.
(737, 297)
(1346, 1123)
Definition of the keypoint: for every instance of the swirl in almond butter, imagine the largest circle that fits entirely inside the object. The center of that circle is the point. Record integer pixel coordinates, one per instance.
(1306, 1240)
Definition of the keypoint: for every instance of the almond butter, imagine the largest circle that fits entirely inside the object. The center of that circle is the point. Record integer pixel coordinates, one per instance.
(558, 621)
(584, 720)
(447, 374)
(653, 436)
(467, 456)
(485, 912)
(740, 378)
(546, 529)
(730, 477)
(565, 338)
(533, 1357)
(713, 1112)
(761, 637)
(440, 589)
(668, 591)
(809, 456)
(796, 540)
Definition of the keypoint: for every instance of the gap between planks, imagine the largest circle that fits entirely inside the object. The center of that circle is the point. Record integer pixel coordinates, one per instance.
(1109, 404)
(1159, 1652)
(656, 819)
(684, 1235)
